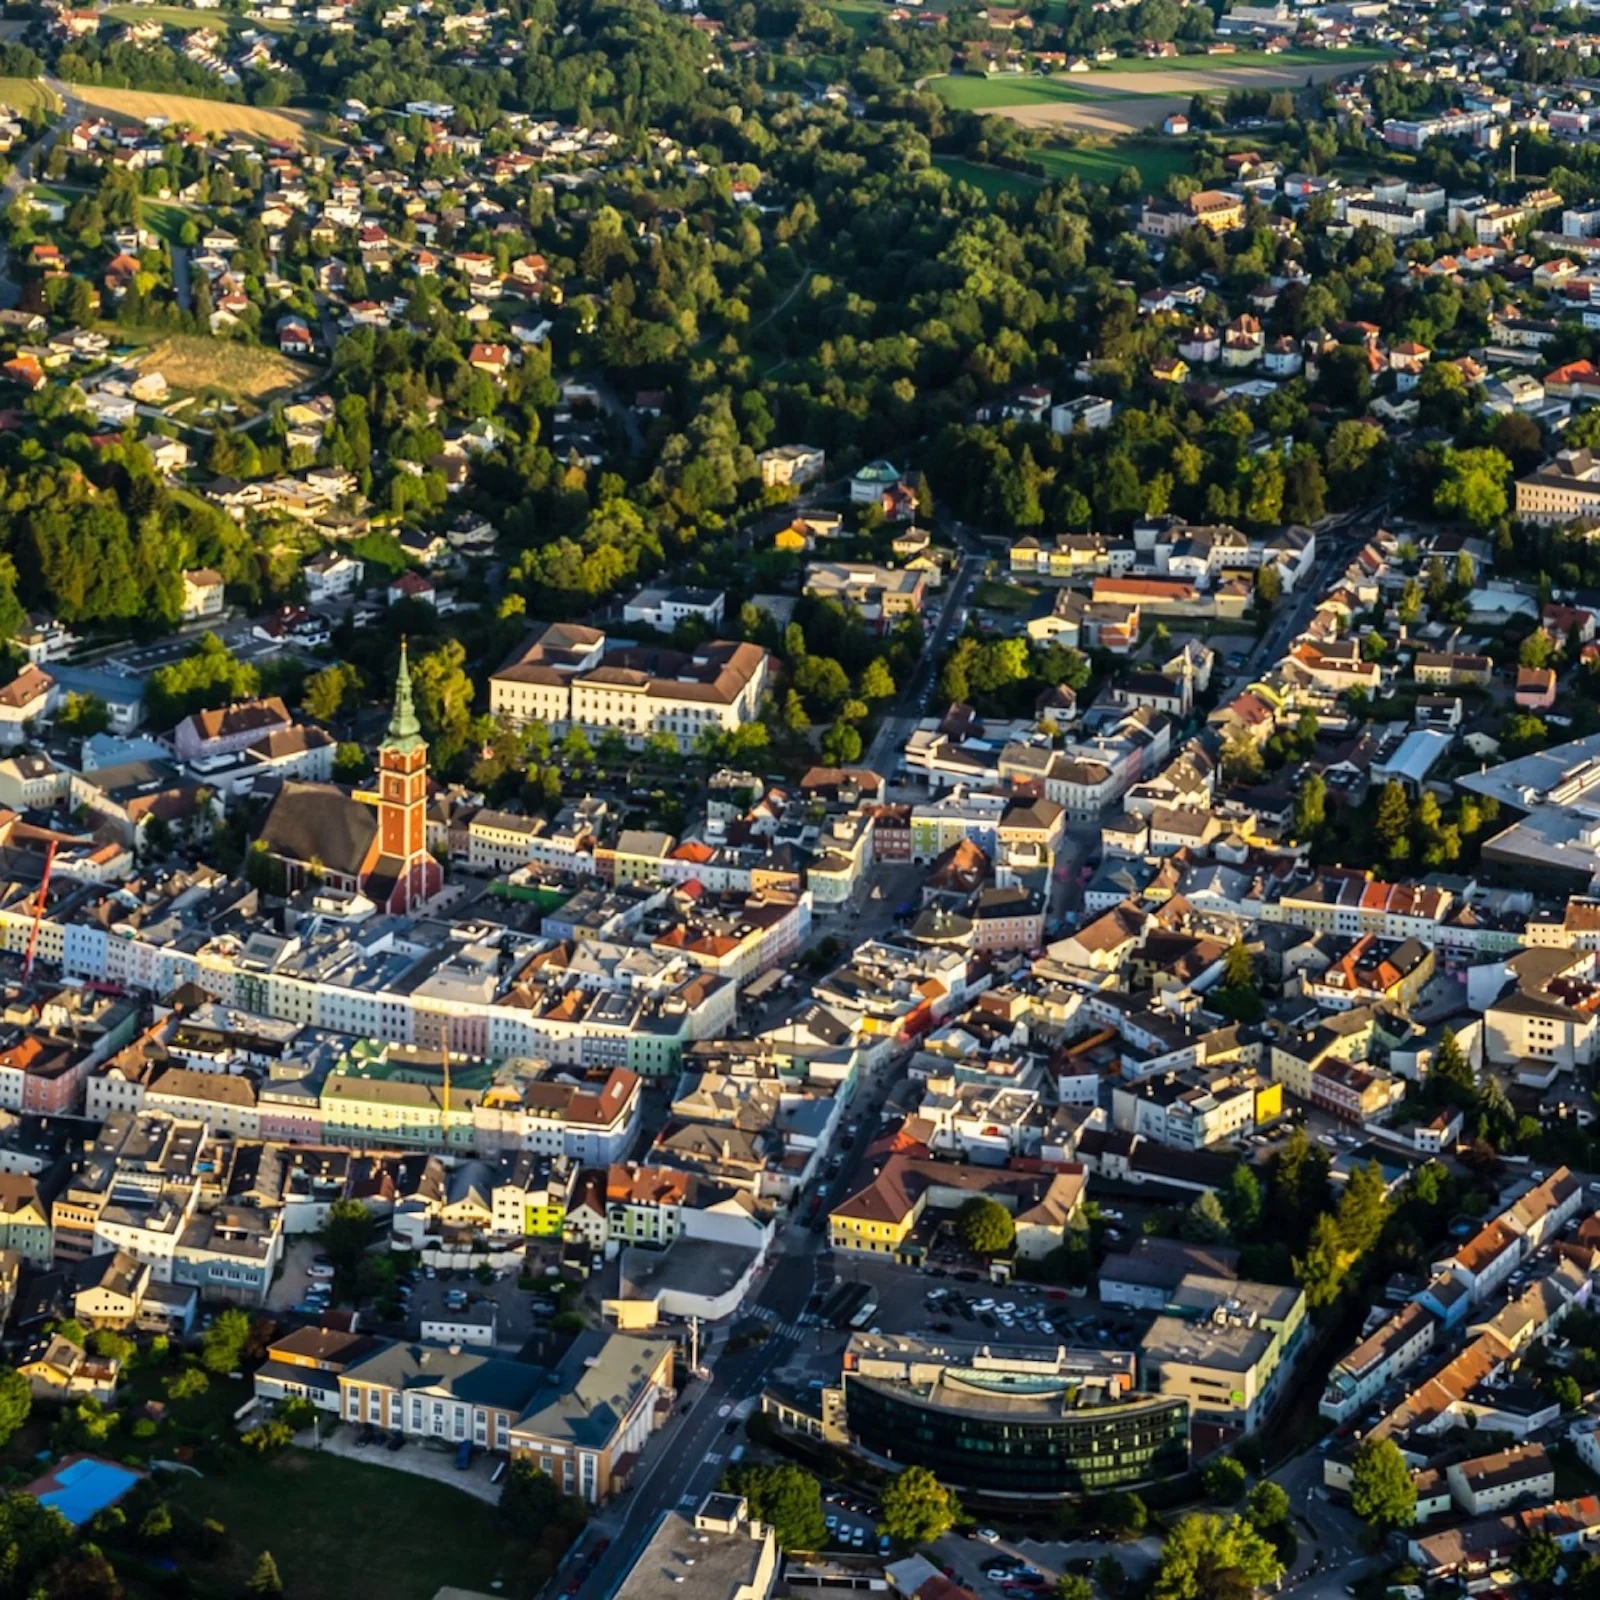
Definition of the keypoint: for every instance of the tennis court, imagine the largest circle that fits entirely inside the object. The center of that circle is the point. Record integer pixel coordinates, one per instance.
(83, 1486)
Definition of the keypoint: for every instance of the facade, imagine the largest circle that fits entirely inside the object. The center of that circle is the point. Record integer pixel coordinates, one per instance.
(565, 677)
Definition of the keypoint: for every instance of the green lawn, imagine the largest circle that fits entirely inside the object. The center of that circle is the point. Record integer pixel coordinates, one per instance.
(968, 92)
(338, 1528)
(24, 94)
(995, 596)
(993, 181)
(165, 221)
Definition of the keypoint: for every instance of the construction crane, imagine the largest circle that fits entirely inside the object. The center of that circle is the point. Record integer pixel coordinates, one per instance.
(38, 909)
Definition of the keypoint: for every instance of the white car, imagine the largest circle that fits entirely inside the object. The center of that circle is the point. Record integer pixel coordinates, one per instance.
(319, 1272)
(988, 1536)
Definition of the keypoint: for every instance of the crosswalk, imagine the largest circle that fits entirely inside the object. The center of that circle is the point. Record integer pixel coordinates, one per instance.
(792, 1329)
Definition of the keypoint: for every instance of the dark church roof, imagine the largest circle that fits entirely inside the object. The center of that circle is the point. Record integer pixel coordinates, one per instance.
(319, 822)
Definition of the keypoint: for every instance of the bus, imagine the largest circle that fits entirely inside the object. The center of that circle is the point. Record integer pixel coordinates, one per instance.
(868, 1310)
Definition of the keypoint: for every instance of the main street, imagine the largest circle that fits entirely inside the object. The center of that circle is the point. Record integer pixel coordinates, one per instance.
(687, 1457)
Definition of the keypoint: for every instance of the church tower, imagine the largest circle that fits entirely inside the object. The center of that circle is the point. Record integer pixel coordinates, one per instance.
(403, 802)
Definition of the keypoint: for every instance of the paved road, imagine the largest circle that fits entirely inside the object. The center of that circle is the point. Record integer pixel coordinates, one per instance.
(907, 709)
(180, 277)
(685, 1460)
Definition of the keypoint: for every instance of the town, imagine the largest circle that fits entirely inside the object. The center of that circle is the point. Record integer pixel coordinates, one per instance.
(799, 798)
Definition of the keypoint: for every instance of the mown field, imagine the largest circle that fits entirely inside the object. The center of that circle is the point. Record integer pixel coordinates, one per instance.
(1089, 163)
(27, 94)
(205, 116)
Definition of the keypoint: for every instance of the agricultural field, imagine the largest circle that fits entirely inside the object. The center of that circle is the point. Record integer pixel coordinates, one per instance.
(967, 92)
(1337, 60)
(221, 367)
(205, 116)
(27, 94)
(1112, 102)
(184, 17)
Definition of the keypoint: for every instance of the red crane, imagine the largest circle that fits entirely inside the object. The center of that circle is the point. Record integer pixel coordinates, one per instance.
(38, 909)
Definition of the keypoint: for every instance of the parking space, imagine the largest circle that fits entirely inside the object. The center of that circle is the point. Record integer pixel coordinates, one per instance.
(520, 1315)
(418, 1457)
(302, 1284)
(852, 1522)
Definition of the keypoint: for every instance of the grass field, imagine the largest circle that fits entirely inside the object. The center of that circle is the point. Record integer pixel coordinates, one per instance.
(205, 116)
(993, 181)
(1090, 163)
(26, 94)
(1103, 163)
(338, 1528)
(220, 367)
(185, 17)
(859, 16)
(1134, 96)
(967, 92)
(1247, 59)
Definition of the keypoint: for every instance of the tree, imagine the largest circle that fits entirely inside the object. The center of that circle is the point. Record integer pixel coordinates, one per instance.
(985, 1226)
(332, 690)
(1241, 1199)
(1214, 1558)
(788, 1499)
(917, 1508)
(16, 1400)
(222, 1348)
(346, 1235)
(877, 682)
(1204, 1221)
(1537, 1557)
(1320, 1271)
(1473, 486)
(841, 745)
(1566, 1392)
(1123, 1514)
(1392, 825)
(1269, 585)
(1382, 1492)
(1267, 1506)
(1310, 805)
(1074, 1586)
(210, 676)
(1224, 1479)
(264, 1579)
(1363, 1210)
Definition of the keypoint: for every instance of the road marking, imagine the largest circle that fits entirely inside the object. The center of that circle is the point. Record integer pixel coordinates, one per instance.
(712, 1458)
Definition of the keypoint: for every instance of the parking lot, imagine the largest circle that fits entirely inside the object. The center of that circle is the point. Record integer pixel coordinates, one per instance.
(515, 1319)
(967, 1308)
(852, 1522)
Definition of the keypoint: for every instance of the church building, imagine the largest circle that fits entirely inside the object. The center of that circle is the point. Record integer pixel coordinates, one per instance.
(372, 844)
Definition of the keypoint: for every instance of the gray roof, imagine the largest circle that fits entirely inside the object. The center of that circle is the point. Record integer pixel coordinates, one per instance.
(596, 1385)
(317, 822)
(465, 1375)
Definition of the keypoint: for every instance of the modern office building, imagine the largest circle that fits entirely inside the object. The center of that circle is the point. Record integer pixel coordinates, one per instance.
(1010, 1422)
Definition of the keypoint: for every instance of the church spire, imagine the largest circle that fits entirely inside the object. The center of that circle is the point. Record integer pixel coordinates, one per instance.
(405, 732)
